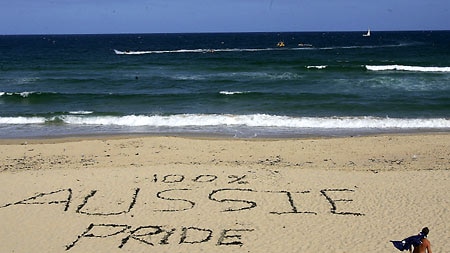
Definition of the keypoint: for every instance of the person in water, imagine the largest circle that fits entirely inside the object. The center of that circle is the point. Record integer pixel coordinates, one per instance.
(425, 245)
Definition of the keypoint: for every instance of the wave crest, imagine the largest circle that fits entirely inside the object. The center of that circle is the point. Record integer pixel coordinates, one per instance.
(232, 92)
(252, 120)
(317, 67)
(406, 68)
(23, 94)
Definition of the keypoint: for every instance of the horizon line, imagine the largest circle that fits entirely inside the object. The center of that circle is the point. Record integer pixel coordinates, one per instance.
(224, 32)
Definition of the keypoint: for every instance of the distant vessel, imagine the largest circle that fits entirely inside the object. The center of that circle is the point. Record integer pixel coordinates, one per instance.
(304, 45)
(280, 44)
(367, 34)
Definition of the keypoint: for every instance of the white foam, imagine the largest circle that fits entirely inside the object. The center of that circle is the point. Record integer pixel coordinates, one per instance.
(213, 50)
(81, 112)
(252, 120)
(317, 67)
(22, 120)
(259, 120)
(231, 92)
(406, 68)
(198, 50)
(26, 93)
(22, 94)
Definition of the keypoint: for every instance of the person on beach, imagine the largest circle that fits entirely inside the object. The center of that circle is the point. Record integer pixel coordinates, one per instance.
(425, 245)
(420, 243)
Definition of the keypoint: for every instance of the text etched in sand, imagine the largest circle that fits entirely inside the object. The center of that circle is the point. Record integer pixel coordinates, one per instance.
(152, 235)
(176, 193)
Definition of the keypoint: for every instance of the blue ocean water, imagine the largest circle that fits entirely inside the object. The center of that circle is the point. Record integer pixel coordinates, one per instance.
(232, 84)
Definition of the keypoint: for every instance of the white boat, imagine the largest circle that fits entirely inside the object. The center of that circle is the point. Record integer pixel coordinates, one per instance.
(367, 34)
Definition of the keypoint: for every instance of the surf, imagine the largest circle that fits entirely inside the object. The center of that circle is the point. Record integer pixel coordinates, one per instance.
(406, 68)
(88, 118)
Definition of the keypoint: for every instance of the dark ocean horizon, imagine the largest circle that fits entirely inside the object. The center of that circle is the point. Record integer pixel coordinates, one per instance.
(231, 84)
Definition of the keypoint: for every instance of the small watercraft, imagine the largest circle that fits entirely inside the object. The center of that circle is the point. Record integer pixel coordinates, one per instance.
(280, 44)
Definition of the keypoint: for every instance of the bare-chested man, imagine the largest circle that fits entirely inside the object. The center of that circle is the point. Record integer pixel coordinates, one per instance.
(425, 246)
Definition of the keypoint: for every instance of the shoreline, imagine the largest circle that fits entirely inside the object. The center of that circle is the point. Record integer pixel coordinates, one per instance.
(274, 127)
(207, 136)
(133, 193)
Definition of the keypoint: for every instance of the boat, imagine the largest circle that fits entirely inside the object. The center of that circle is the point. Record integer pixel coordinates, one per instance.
(280, 44)
(367, 34)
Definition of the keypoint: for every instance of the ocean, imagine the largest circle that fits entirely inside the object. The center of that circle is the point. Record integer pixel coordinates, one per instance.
(226, 84)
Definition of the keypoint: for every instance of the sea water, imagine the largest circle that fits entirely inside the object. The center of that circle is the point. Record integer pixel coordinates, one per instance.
(231, 84)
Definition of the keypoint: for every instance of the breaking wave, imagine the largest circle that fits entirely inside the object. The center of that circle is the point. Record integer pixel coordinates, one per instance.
(317, 67)
(232, 92)
(199, 50)
(213, 50)
(406, 68)
(23, 94)
(253, 120)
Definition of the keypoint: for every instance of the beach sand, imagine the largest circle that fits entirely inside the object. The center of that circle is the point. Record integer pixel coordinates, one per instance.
(199, 194)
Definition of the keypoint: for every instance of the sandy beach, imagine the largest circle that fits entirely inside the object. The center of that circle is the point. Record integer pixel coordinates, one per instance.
(199, 194)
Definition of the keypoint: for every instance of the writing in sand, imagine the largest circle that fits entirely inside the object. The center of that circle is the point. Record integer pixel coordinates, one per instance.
(170, 197)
